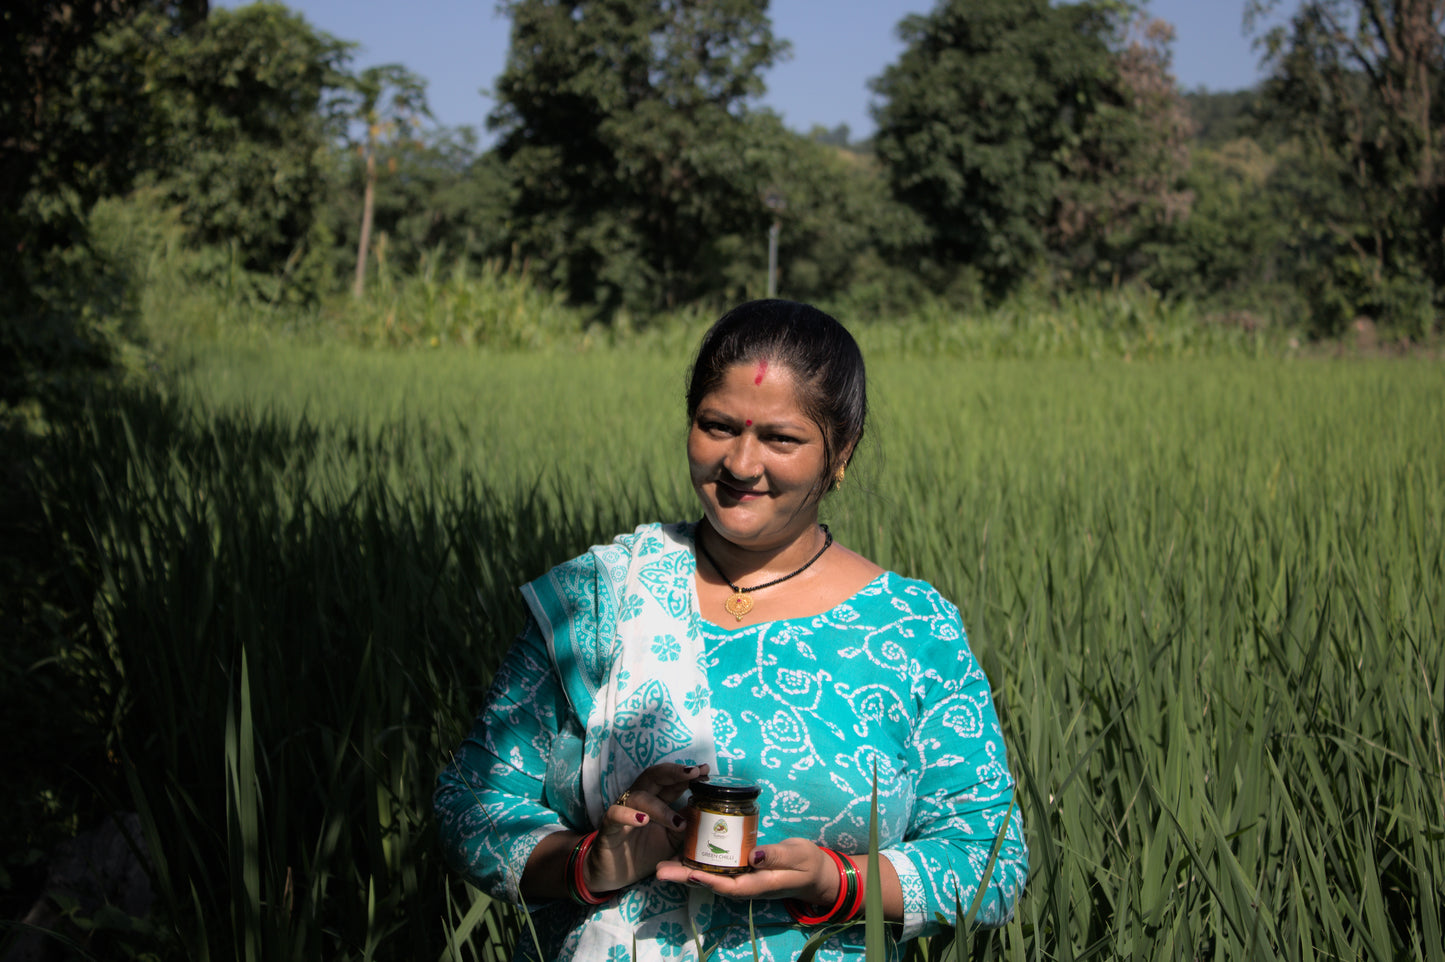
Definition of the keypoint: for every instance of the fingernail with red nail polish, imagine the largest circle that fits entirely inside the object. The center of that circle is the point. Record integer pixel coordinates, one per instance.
(641, 818)
(757, 856)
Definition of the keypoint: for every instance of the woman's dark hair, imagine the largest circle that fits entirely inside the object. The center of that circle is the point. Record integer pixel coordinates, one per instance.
(820, 353)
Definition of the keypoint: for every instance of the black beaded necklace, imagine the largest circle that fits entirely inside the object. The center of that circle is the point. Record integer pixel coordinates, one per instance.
(740, 604)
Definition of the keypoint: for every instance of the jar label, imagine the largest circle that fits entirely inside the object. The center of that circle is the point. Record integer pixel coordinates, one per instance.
(726, 841)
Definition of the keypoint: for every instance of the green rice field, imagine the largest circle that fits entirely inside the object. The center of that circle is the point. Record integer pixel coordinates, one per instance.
(1210, 594)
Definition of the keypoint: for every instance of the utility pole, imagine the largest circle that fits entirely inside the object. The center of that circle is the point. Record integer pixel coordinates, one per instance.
(776, 203)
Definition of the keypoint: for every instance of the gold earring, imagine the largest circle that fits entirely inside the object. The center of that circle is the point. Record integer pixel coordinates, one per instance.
(838, 478)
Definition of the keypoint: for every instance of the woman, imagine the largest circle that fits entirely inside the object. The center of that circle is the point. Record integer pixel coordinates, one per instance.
(749, 644)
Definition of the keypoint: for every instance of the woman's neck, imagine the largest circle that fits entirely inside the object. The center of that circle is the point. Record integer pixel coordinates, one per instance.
(747, 564)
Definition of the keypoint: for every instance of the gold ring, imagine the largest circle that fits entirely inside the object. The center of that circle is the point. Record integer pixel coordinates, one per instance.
(622, 799)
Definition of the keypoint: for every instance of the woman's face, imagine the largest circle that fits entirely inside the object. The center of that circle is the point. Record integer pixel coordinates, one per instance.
(756, 459)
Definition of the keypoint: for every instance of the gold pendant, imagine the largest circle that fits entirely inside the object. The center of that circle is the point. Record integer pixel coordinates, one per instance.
(738, 605)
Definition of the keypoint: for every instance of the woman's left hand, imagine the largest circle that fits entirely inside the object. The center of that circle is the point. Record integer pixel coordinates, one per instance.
(793, 868)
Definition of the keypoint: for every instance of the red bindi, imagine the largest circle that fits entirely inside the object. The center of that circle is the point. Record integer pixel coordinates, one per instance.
(762, 371)
(748, 423)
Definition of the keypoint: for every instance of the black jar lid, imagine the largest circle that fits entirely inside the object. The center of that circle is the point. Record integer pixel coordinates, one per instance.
(725, 789)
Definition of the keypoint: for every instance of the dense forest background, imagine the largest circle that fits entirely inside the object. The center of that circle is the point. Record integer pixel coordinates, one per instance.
(1021, 145)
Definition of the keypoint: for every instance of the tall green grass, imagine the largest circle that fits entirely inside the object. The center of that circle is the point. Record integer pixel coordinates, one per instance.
(1209, 596)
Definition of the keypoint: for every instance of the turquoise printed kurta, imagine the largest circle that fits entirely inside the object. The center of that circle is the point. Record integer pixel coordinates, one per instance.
(807, 708)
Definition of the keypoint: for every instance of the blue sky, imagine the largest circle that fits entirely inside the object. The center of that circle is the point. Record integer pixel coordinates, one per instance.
(460, 46)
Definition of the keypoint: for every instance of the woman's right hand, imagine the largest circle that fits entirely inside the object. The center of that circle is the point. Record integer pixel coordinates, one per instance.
(635, 836)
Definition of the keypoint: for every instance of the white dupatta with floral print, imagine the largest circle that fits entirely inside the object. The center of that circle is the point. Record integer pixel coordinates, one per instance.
(621, 627)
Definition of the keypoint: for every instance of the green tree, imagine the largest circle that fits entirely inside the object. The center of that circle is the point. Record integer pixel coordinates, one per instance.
(75, 126)
(1122, 178)
(1221, 117)
(985, 98)
(440, 196)
(839, 220)
(227, 111)
(72, 112)
(1361, 83)
(625, 127)
(839, 136)
(248, 110)
(1241, 248)
(1024, 132)
(389, 101)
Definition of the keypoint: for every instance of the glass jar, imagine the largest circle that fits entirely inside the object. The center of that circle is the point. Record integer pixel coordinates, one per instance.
(722, 825)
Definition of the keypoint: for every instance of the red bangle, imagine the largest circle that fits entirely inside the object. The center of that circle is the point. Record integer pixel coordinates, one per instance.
(799, 911)
(576, 887)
